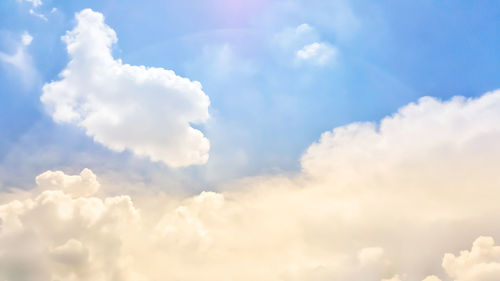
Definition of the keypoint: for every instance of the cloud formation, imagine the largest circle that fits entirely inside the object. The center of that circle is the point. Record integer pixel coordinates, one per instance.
(373, 201)
(21, 60)
(35, 3)
(305, 42)
(481, 263)
(317, 53)
(38, 15)
(146, 110)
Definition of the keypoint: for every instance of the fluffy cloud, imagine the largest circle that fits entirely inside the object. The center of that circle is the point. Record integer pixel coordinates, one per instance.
(85, 184)
(146, 110)
(57, 236)
(305, 42)
(212, 236)
(372, 202)
(481, 263)
(429, 147)
(317, 53)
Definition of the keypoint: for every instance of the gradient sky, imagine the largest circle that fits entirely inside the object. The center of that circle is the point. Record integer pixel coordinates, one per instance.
(265, 107)
(231, 140)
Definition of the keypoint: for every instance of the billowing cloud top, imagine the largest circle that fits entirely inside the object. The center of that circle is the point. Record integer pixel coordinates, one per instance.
(146, 110)
(394, 201)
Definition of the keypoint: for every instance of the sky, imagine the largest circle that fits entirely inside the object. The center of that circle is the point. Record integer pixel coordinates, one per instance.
(240, 140)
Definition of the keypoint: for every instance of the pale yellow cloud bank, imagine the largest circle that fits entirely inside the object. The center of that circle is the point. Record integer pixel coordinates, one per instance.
(397, 200)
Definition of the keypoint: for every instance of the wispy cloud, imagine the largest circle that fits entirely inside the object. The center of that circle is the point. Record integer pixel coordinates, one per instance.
(38, 15)
(21, 61)
(35, 3)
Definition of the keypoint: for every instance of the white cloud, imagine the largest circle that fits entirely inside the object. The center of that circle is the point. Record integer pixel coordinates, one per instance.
(372, 202)
(21, 60)
(317, 53)
(481, 263)
(304, 29)
(146, 110)
(54, 236)
(35, 3)
(38, 15)
(209, 236)
(26, 39)
(304, 42)
(82, 185)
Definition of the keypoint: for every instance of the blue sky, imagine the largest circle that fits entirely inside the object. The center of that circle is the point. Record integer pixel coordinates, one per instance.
(266, 106)
(287, 140)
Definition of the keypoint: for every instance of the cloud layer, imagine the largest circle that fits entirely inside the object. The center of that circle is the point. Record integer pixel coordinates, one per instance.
(146, 110)
(392, 201)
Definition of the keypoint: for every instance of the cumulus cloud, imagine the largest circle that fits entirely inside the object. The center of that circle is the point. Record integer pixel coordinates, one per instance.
(481, 263)
(146, 110)
(53, 236)
(431, 143)
(373, 201)
(317, 53)
(212, 236)
(305, 42)
(82, 185)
